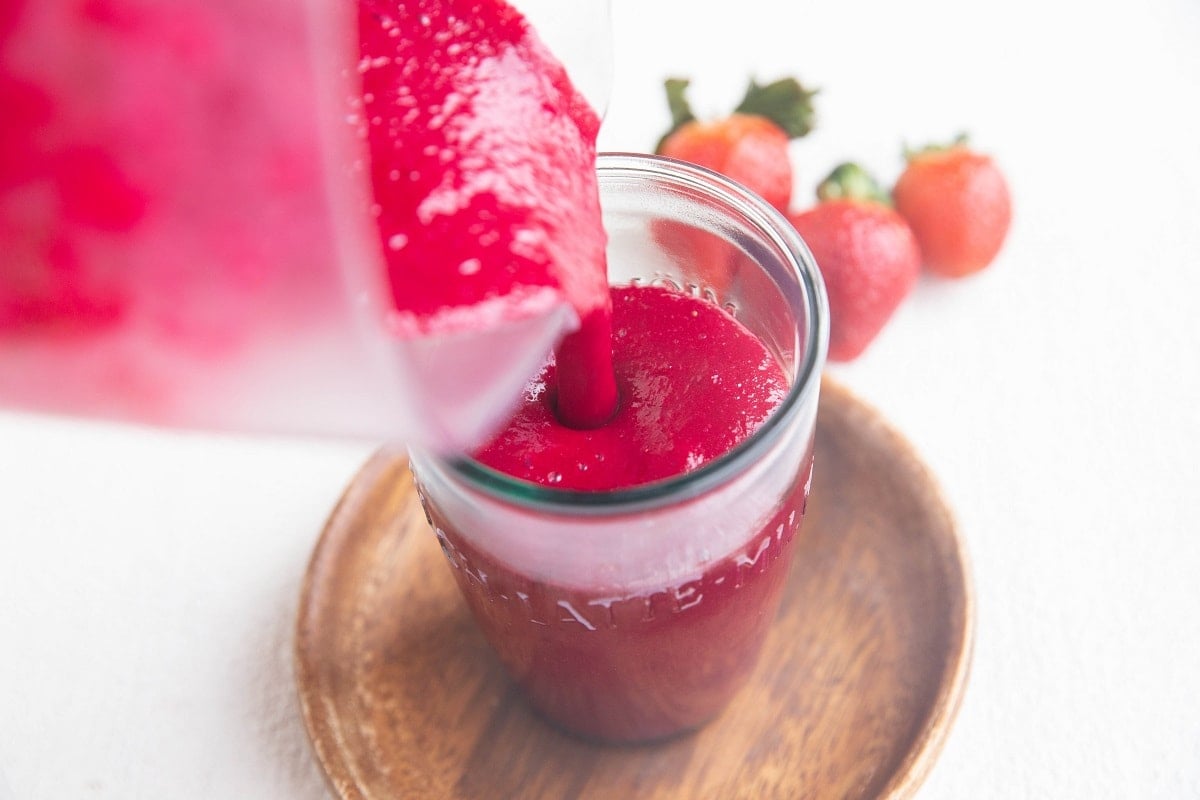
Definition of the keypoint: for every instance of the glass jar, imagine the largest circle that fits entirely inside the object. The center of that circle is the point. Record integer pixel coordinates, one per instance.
(634, 614)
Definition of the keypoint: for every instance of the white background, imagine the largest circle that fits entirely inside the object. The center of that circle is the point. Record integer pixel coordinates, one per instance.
(148, 579)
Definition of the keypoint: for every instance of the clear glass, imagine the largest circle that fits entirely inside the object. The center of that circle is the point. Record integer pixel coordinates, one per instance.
(635, 614)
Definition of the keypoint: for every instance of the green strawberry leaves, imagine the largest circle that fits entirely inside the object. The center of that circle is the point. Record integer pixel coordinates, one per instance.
(849, 181)
(785, 102)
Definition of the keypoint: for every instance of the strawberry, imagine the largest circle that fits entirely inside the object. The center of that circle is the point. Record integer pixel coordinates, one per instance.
(958, 205)
(867, 254)
(750, 145)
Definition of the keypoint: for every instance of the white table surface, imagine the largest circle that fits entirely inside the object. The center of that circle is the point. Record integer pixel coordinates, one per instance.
(148, 579)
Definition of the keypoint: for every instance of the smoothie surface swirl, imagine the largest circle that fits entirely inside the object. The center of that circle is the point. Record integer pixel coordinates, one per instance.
(694, 383)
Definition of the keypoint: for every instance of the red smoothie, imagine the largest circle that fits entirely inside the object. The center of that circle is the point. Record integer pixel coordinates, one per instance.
(482, 166)
(693, 384)
(597, 658)
(482, 162)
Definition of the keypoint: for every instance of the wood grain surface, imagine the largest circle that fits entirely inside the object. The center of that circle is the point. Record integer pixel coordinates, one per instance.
(855, 693)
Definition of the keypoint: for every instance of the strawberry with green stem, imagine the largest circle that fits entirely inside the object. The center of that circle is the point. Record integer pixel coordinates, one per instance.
(867, 255)
(750, 145)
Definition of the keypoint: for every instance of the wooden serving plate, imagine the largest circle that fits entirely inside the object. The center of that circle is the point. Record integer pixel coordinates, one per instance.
(854, 695)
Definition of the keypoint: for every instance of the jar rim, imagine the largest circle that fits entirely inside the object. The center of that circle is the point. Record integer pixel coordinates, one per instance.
(809, 295)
